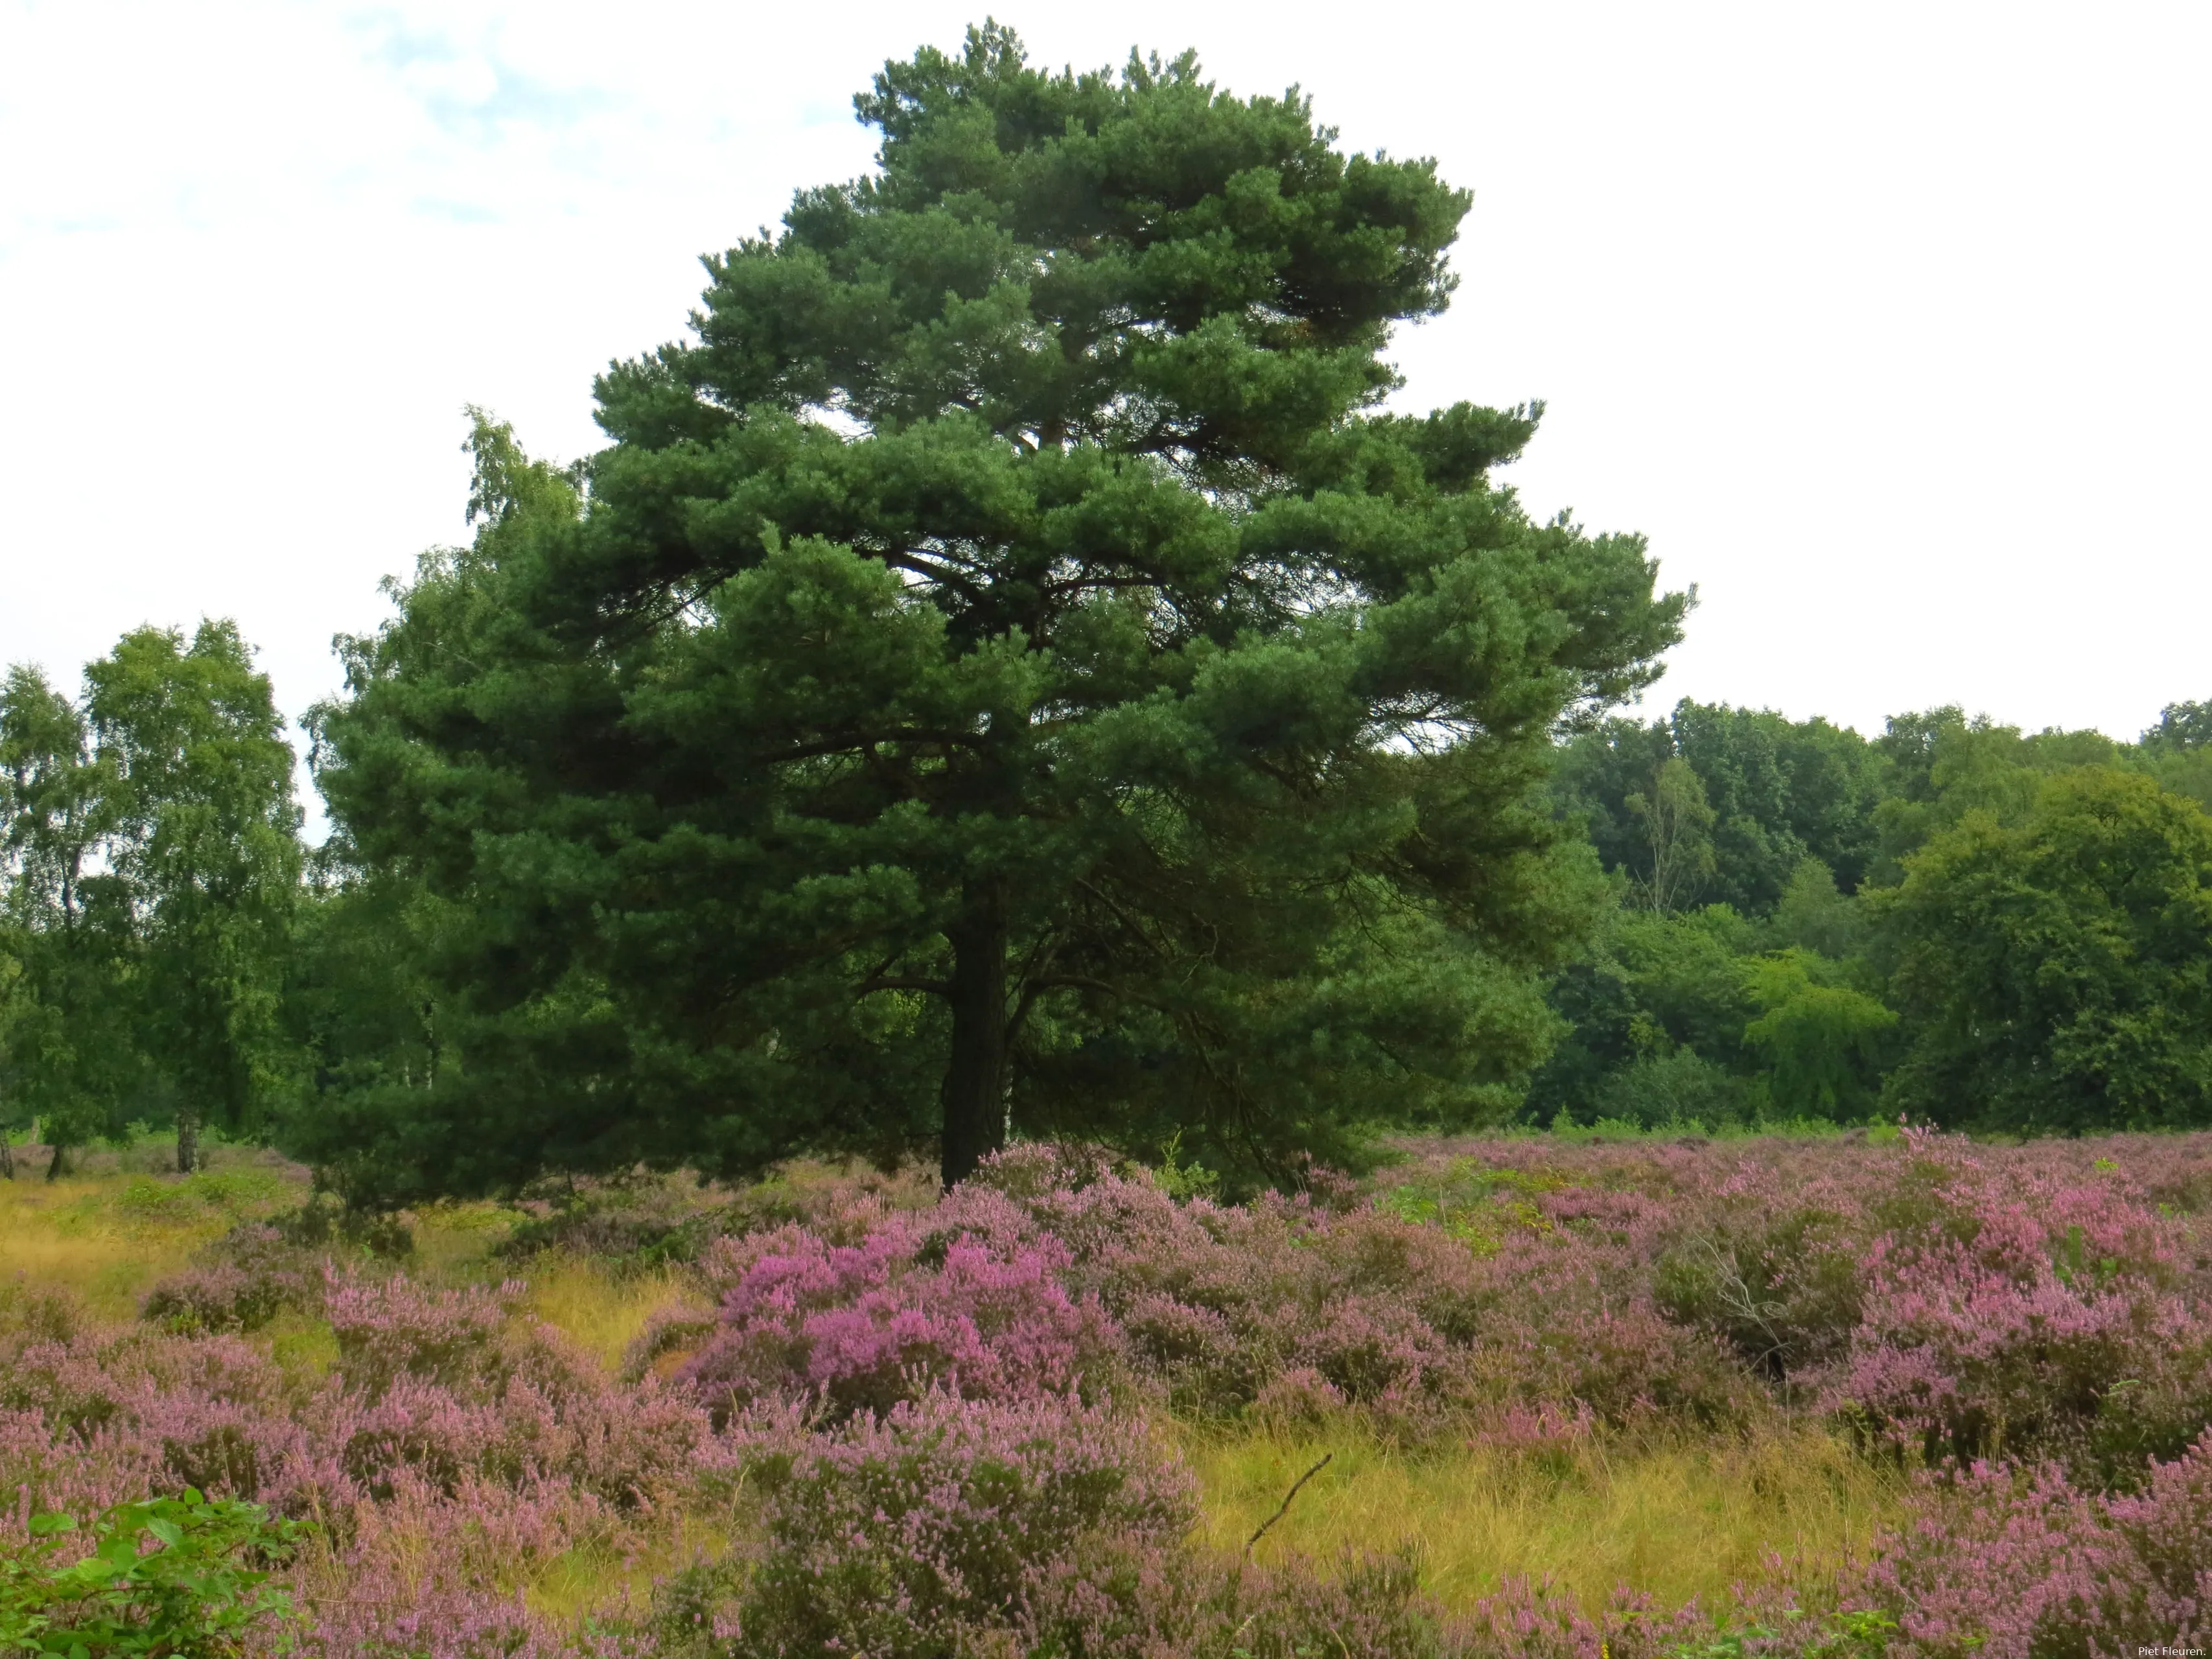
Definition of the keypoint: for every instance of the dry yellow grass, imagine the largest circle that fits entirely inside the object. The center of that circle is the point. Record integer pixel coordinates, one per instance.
(108, 1232)
(601, 1311)
(453, 1242)
(1675, 1522)
(603, 1578)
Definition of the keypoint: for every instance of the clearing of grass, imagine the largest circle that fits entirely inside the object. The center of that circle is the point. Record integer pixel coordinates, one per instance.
(107, 1232)
(1691, 1520)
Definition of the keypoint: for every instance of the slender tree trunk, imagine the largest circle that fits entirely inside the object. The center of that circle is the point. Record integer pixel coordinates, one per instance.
(976, 1077)
(188, 1141)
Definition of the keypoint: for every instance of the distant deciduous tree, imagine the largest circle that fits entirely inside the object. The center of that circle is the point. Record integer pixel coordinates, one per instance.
(1942, 765)
(1677, 828)
(203, 840)
(2177, 751)
(1780, 790)
(2181, 726)
(67, 1054)
(2057, 974)
(1822, 1042)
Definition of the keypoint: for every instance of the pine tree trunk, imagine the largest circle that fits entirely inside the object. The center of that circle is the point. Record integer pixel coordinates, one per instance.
(976, 1077)
(188, 1142)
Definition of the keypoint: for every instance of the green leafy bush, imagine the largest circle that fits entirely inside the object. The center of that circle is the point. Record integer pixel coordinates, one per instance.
(173, 1577)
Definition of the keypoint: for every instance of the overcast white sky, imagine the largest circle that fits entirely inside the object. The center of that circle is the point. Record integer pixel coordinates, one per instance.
(1887, 323)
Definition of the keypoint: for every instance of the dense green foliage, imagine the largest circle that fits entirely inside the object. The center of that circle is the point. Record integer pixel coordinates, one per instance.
(1778, 793)
(67, 939)
(1007, 673)
(151, 862)
(1003, 672)
(179, 1578)
(2057, 971)
(1982, 927)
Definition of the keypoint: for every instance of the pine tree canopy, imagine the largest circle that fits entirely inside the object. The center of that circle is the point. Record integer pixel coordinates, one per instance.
(1006, 669)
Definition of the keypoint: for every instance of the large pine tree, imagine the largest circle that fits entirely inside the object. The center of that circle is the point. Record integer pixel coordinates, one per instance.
(1005, 669)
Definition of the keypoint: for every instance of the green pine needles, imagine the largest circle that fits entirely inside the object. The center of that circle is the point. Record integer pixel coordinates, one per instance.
(1006, 671)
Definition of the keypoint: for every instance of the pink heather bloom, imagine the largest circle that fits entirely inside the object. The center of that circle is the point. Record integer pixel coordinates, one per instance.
(932, 1411)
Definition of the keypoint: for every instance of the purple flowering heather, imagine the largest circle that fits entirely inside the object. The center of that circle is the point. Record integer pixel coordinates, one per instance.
(922, 1428)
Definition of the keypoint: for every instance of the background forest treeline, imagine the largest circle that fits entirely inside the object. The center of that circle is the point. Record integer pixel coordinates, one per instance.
(1954, 920)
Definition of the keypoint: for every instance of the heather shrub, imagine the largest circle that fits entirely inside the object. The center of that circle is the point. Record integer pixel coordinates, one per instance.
(628, 1450)
(1562, 1323)
(1548, 1433)
(394, 1327)
(866, 1326)
(1369, 1348)
(1299, 1399)
(423, 1576)
(2018, 1312)
(2167, 1529)
(441, 1620)
(251, 1276)
(107, 1417)
(2180, 1181)
(2012, 1561)
(1782, 1290)
(96, 1377)
(1213, 1302)
(915, 1534)
(222, 1297)
(417, 1430)
(1041, 1169)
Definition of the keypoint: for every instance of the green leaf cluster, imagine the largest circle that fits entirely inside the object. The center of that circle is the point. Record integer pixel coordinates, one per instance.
(2057, 974)
(1706, 1017)
(181, 1578)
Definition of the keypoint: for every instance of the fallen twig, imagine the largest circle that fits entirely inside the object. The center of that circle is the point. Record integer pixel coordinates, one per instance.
(1285, 1507)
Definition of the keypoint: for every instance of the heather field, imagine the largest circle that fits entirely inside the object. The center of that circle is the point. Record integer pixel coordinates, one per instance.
(1595, 1395)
